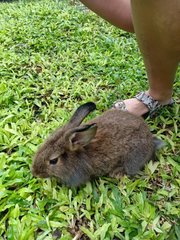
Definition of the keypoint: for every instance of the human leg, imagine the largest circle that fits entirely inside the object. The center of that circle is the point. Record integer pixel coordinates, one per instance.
(157, 28)
(117, 12)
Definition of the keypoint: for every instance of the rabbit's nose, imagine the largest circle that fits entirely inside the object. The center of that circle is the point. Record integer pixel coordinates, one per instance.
(34, 173)
(39, 173)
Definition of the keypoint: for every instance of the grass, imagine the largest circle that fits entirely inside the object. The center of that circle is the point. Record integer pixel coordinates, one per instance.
(53, 57)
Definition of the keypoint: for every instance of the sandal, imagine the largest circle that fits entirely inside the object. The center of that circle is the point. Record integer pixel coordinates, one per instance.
(152, 104)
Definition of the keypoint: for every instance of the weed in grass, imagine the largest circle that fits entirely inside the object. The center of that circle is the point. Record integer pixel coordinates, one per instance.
(53, 57)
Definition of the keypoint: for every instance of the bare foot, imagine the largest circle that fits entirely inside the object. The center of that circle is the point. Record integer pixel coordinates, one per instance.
(135, 106)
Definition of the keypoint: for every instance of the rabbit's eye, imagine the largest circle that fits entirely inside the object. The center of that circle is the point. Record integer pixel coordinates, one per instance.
(53, 161)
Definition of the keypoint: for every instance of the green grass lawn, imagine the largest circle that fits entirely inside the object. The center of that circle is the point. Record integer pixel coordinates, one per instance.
(55, 56)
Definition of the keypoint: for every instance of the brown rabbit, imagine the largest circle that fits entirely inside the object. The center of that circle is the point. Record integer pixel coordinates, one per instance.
(114, 143)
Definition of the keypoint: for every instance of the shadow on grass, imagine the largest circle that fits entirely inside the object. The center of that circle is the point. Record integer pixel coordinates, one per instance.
(7, 1)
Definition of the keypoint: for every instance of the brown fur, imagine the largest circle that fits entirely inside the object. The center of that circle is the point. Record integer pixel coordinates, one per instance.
(113, 144)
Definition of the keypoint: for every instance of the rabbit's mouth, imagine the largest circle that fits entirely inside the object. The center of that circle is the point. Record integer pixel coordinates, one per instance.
(42, 175)
(39, 174)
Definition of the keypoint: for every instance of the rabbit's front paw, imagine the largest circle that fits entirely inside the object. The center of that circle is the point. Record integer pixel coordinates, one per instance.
(117, 173)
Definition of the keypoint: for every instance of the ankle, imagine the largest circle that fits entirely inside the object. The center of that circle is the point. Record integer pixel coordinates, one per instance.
(162, 98)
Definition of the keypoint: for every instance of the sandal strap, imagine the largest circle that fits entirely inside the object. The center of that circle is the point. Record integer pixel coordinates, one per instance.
(152, 104)
(149, 101)
(120, 104)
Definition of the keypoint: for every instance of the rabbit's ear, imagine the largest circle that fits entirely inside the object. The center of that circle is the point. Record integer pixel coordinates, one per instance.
(81, 113)
(81, 136)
